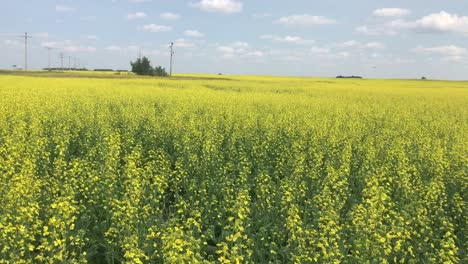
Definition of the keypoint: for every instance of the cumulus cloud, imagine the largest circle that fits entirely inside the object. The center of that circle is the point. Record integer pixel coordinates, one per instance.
(391, 12)
(449, 50)
(12, 43)
(343, 54)
(219, 6)
(136, 15)
(79, 48)
(68, 46)
(319, 51)
(64, 8)
(133, 49)
(193, 33)
(287, 39)
(50, 44)
(358, 45)
(155, 28)
(240, 44)
(183, 43)
(442, 22)
(92, 37)
(374, 45)
(169, 16)
(305, 20)
(238, 49)
(256, 53)
(432, 23)
(376, 30)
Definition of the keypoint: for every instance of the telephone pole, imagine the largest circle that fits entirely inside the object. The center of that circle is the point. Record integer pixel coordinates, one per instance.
(61, 60)
(69, 63)
(172, 53)
(48, 55)
(26, 37)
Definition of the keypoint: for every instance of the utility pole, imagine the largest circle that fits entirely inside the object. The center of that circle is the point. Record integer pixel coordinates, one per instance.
(69, 63)
(172, 53)
(26, 37)
(61, 60)
(48, 55)
(139, 53)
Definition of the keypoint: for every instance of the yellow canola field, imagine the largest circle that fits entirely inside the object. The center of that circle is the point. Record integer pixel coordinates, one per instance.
(239, 169)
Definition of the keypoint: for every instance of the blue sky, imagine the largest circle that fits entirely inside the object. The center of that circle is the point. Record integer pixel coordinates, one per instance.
(372, 38)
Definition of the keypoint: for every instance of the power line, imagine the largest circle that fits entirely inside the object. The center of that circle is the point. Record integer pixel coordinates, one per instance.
(25, 49)
(48, 56)
(61, 60)
(172, 53)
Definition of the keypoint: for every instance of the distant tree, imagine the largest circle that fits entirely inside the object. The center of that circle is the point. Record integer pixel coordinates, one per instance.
(142, 66)
(423, 78)
(160, 71)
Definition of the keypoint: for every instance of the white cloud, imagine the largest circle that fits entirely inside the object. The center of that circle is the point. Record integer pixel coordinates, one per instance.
(155, 28)
(193, 33)
(51, 44)
(350, 43)
(13, 43)
(169, 16)
(226, 49)
(79, 49)
(305, 20)
(449, 50)
(238, 48)
(443, 22)
(256, 53)
(240, 44)
(113, 48)
(182, 43)
(68, 46)
(139, 1)
(134, 50)
(391, 12)
(377, 30)
(219, 6)
(319, 51)
(374, 45)
(358, 45)
(64, 8)
(291, 39)
(437, 22)
(227, 52)
(92, 37)
(136, 15)
(343, 54)
(287, 39)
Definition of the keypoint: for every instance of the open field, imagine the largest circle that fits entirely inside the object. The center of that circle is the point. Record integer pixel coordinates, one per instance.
(237, 170)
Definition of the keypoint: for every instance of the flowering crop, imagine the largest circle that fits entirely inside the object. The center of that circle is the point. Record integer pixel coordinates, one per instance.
(239, 170)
